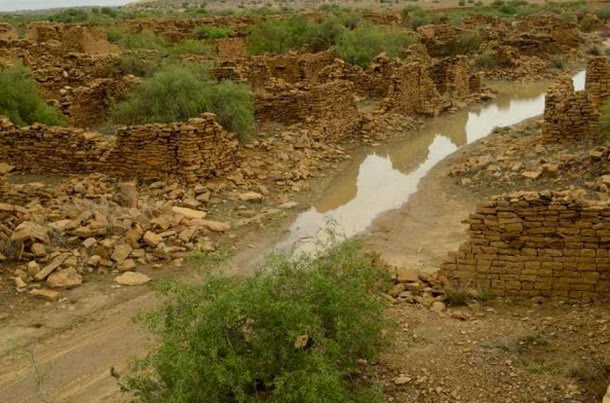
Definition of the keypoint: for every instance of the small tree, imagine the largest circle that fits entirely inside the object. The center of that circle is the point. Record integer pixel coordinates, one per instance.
(20, 99)
(292, 332)
(361, 45)
(179, 92)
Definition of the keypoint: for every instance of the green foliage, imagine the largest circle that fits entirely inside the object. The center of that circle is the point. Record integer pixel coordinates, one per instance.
(558, 63)
(148, 40)
(292, 332)
(140, 63)
(467, 42)
(20, 99)
(361, 45)
(292, 34)
(70, 15)
(603, 13)
(212, 32)
(487, 59)
(179, 92)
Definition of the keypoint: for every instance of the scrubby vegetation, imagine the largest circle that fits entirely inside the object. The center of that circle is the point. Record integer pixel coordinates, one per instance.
(20, 99)
(292, 332)
(361, 45)
(294, 33)
(212, 32)
(179, 92)
(148, 40)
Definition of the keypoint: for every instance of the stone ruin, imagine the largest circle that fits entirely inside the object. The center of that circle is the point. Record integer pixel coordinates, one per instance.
(549, 244)
(192, 150)
(573, 115)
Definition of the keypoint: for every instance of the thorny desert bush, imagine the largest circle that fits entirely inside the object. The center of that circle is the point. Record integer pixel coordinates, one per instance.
(179, 92)
(361, 45)
(293, 34)
(292, 332)
(20, 99)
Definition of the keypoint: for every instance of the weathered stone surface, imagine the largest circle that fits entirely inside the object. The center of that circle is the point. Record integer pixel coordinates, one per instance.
(29, 230)
(152, 239)
(49, 295)
(536, 244)
(132, 278)
(189, 213)
(406, 275)
(55, 263)
(215, 226)
(121, 252)
(66, 278)
(251, 197)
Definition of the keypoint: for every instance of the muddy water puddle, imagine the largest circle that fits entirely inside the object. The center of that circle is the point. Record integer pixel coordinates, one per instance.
(385, 177)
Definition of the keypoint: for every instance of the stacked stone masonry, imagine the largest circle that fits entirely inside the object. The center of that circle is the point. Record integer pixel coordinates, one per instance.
(192, 150)
(573, 115)
(550, 244)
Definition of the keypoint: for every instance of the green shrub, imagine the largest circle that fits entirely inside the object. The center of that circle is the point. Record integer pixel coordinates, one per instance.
(487, 59)
(179, 92)
(139, 63)
(212, 32)
(603, 13)
(293, 34)
(558, 63)
(361, 45)
(148, 40)
(467, 42)
(20, 99)
(70, 15)
(292, 332)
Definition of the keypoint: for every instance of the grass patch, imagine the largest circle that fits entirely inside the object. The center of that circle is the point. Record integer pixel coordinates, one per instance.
(179, 92)
(487, 59)
(212, 32)
(361, 45)
(292, 332)
(20, 99)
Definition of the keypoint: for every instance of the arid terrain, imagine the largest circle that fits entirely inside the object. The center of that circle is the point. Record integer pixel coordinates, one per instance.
(465, 144)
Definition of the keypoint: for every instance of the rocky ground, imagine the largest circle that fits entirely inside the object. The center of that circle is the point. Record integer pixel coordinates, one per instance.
(459, 346)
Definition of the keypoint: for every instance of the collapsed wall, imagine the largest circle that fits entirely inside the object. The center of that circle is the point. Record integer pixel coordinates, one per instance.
(551, 244)
(328, 110)
(192, 150)
(572, 115)
(412, 91)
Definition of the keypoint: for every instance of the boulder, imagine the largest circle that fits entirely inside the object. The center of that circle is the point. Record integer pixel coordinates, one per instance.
(29, 230)
(66, 278)
(189, 213)
(251, 197)
(49, 295)
(132, 278)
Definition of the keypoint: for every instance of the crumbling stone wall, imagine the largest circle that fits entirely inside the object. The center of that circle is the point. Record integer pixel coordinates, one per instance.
(196, 149)
(451, 76)
(7, 32)
(231, 48)
(573, 115)
(72, 37)
(551, 244)
(328, 109)
(413, 91)
(87, 106)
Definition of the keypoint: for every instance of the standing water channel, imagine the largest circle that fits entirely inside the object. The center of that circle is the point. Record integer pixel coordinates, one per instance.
(384, 178)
